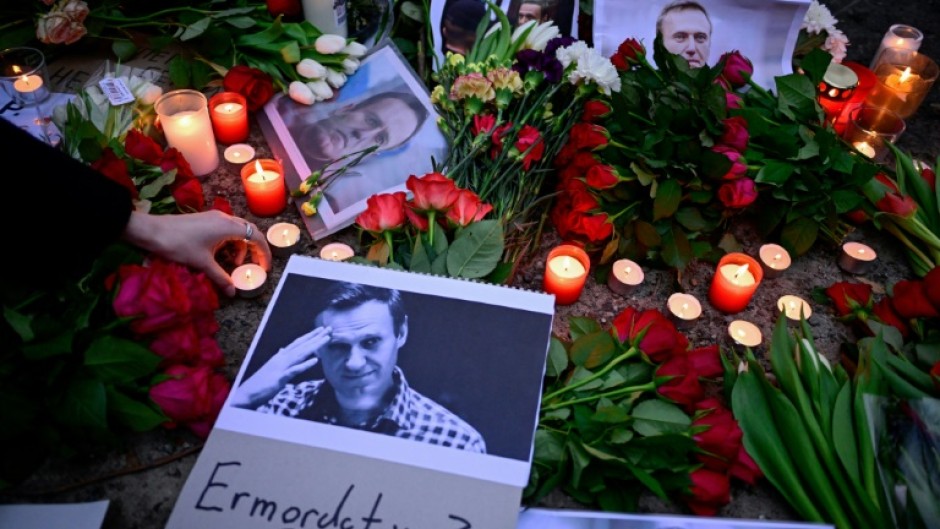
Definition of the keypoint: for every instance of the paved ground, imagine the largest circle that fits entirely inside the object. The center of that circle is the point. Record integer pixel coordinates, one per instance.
(143, 481)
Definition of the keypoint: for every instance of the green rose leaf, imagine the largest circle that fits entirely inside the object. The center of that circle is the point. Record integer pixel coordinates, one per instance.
(195, 29)
(116, 360)
(476, 251)
(549, 448)
(592, 350)
(134, 414)
(557, 358)
(667, 199)
(677, 252)
(797, 97)
(419, 258)
(658, 417)
(774, 172)
(84, 405)
(799, 235)
(123, 49)
(578, 326)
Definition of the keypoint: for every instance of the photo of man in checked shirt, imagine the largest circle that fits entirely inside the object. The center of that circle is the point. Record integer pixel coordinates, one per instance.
(356, 339)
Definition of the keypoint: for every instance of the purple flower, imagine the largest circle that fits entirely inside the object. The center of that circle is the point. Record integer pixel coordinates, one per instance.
(558, 42)
(530, 60)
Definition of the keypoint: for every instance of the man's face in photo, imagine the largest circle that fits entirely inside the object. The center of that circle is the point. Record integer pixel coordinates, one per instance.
(687, 32)
(457, 39)
(362, 353)
(386, 122)
(529, 12)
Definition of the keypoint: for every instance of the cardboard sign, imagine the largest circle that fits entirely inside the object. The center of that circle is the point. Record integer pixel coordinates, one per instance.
(448, 443)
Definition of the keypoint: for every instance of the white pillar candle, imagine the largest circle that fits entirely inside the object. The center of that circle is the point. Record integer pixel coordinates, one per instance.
(184, 116)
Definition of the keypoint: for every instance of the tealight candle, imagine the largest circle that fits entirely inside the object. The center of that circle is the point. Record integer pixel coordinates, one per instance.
(264, 187)
(683, 309)
(23, 75)
(624, 276)
(229, 117)
(283, 238)
(566, 270)
(856, 257)
(336, 251)
(793, 307)
(745, 333)
(775, 259)
(249, 280)
(239, 153)
(184, 118)
(734, 282)
(865, 148)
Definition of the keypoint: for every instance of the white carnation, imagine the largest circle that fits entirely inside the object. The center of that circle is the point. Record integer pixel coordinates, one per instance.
(335, 79)
(818, 18)
(329, 44)
(320, 89)
(571, 54)
(593, 67)
(311, 69)
(301, 93)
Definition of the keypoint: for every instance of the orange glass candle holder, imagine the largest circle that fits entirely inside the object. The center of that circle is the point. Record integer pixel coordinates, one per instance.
(735, 282)
(264, 185)
(904, 79)
(229, 112)
(870, 129)
(566, 270)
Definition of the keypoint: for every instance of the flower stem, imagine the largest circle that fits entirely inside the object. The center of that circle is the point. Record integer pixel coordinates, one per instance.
(630, 353)
(615, 393)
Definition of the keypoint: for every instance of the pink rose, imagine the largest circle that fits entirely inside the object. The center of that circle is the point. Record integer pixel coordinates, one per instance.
(732, 101)
(738, 194)
(63, 25)
(737, 69)
(192, 396)
(735, 133)
(185, 344)
(152, 295)
(738, 167)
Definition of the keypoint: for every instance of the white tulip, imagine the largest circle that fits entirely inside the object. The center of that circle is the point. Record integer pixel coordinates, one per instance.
(148, 93)
(355, 49)
(320, 89)
(335, 79)
(300, 93)
(328, 44)
(538, 38)
(350, 65)
(311, 69)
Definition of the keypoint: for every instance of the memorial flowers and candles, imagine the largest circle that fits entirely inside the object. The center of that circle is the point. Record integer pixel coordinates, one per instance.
(506, 109)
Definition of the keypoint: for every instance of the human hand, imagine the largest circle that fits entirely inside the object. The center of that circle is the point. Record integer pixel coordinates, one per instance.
(291, 360)
(192, 239)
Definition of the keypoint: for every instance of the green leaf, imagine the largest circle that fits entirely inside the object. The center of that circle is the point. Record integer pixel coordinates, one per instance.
(580, 459)
(557, 358)
(123, 49)
(412, 10)
(611, 415)
(578, 326)
(593, 349)
(179, 72)
(621, 436)
(799, 235)
(195, 29)
(419, 258)
(241, 22)
(116, 360)
(676, 252)
(843, 433)
(477, 250)
(266, 36)
(774, 172)
(59, 344)
(84, 405)
(797, 97)
(691, 219)
(667, 199)
(846, 200)
(647, 235)
(21, 323)
(658, 417)
(815, 63)
(134, 414)
(549, 448)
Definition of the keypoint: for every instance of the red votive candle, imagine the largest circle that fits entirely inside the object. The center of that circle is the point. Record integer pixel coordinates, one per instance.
(735, 282)
(264, 187)
(566, 270)
(229, 113)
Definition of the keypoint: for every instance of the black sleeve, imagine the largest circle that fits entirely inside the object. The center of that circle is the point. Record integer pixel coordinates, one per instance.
(57, 213)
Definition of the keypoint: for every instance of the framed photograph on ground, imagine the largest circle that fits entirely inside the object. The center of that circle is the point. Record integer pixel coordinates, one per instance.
(382, 104)
(353, 388)
(764, 31)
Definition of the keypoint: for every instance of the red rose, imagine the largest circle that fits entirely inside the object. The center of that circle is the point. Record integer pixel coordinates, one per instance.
(661, 340)
(680, 384)
(720, 441)
(902, 206)
(432, 192)
(529, 146)
(184, 344)
(710, 491)
(222, 204)
(466, 209)
(482, 124)
(192, 396)
(384, 212)
(932, 286)
(738, 194)
(142, 147)
(565, 154)
(706, 361)
(909, 299)
(629, 52)
(189, 196)
(287, 8)
(884, 311)
(255, 85)
(745, 468)
(849, 297)
(596, 228)
(116, 170)
(738, 167)
(152, 295)
(174, 159)
(602, 176)
(595, 110)
(732, 101)
(580, 164)
(857, 216)
(737, 68)
(735, 133)
(588, 136)
(420, 222)
(577, 196)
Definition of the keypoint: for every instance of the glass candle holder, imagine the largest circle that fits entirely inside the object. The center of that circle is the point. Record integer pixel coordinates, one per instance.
(229, 112)
(184, 117)
(23, 75)
(904, 79)
(836, 89)
(899, 36)
(870, 128)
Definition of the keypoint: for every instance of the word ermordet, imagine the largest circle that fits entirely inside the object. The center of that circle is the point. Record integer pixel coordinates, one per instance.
(217, 496)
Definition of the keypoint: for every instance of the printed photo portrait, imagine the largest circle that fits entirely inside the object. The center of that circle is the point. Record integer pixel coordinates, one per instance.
(382, 104)
(387, 359)
(764, 31)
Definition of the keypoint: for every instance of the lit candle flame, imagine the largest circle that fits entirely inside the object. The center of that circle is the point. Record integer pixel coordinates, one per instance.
(258, 169)
(286, 236)
(248, 276)
(16, 69)
(334, 255)
(683, 309)
(741, 333)
(628, 270)
(740, 272)
(792, 305)
(566, 264)
(906, 75)
(861, 251)
(228, 107)
(899, 43)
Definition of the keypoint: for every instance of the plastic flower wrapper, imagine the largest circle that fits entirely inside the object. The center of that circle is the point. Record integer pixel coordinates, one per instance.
(506, 108)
